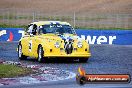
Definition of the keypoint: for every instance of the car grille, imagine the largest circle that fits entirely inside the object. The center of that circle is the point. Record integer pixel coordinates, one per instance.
(68, 47)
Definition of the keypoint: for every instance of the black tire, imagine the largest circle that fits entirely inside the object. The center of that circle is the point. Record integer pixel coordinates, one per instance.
(83, 60)
(40, 54)
(80, 80)
(20, 54)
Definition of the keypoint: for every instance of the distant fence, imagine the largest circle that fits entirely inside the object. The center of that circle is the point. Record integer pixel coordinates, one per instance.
(120, 37)
(91, 20)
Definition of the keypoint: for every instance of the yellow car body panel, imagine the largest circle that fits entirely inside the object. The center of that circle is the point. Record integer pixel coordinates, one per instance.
(30, 44)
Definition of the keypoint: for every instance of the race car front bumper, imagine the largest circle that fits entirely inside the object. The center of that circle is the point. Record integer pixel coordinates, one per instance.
(85, 55)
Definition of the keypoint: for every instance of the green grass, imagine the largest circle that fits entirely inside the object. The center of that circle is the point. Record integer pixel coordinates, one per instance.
(7, 71)
(12, 26)
(77, 27)
(94, 28)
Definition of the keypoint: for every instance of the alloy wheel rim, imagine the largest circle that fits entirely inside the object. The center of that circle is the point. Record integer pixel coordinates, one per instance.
(40, 56)
(20, 51)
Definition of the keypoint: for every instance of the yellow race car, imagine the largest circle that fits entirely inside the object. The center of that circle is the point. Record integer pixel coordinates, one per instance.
(50, 39)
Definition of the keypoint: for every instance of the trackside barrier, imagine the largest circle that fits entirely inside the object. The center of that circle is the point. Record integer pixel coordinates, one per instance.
(11, 34)
(120, 37)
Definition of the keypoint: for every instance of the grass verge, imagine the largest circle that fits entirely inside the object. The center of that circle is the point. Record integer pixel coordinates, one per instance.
(77, 27)
(12, 26)
(94, 28)
(9, 71)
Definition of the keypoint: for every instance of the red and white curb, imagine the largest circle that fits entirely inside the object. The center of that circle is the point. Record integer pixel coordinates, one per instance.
(43, 74)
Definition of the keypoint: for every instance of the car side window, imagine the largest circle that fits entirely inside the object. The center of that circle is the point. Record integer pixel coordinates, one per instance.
(29, 29)
(32, 29)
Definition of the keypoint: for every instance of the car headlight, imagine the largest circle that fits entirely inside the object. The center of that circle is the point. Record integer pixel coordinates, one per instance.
(57, 44)
(80, 44)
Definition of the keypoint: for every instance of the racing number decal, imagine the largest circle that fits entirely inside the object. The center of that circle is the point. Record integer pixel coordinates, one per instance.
(30, 45)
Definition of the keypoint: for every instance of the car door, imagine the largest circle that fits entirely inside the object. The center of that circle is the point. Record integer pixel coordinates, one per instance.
(29, 40)
(25, 41)
(32, 42)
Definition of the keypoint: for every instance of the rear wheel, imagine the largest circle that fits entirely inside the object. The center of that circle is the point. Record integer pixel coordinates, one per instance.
(83, 60)
(20, 54)
(40, 54)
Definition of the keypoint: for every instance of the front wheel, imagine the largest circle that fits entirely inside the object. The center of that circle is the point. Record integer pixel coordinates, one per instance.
(40, 53)
(83, 60)
(20, 54)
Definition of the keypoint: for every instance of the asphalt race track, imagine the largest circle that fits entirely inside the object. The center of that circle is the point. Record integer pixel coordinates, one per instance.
(106, 59)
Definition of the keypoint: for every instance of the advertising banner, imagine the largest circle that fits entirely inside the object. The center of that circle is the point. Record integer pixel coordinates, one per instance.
(120, 37)
(11, 34)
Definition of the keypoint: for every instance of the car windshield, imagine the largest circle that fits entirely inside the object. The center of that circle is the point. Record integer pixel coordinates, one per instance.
(56, 29)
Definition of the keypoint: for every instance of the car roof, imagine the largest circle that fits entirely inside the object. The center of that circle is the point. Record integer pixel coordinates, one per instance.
(39, 23)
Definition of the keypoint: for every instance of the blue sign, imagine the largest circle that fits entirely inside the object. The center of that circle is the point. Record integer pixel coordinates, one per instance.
(120, 37)
(11, 34)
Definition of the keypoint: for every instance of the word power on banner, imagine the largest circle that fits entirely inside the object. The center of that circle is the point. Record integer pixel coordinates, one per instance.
(119, 37)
